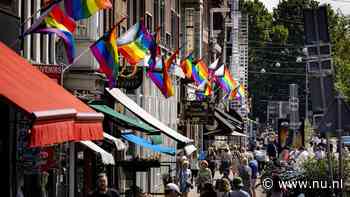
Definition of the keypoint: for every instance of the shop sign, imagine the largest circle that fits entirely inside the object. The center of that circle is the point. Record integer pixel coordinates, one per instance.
(200, 112)
(51, 70)
(133, 82)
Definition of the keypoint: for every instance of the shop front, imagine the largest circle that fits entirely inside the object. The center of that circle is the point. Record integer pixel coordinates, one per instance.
(42, 121)
(149, 156)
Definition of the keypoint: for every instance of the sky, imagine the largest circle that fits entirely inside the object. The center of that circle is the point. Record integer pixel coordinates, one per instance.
(343, 5)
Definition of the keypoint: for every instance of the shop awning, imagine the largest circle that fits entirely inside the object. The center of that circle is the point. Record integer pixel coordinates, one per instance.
(119, 144)
(131, 122)
(106, 157)
(232, 128)
(147, 144)
(230, 118)
(142, 114)
(57, 116)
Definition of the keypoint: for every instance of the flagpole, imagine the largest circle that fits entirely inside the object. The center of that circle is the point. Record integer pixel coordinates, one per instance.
(71, 64)
(30, 17)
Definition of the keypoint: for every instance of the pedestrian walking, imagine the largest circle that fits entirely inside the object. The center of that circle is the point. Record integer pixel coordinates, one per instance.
(245, 173)
(222, 187)
(254, 166)
(102, 188)
(185, 178)
(212, 160)
(237, 191)
(172, 190)
(226, 161)
(208, 190)
(194, 168)
(236, 160)
(204, 176)
(260, 156)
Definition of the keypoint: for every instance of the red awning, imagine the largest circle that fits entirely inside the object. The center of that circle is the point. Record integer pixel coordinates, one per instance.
(57, 115)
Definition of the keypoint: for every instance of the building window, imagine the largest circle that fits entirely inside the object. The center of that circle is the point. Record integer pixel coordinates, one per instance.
(162, 21)
(177, 6)
(82, 29)
(142, 8)
(149, 22)
(134, 11)
(175, 29)
(168, 41)
(156, 14)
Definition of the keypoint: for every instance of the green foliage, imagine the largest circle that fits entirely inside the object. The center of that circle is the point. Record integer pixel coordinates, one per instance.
(318, 170)
(279, 34)
(278, 37)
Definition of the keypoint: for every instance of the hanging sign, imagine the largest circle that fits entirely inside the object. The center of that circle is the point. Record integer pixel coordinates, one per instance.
(133, 82)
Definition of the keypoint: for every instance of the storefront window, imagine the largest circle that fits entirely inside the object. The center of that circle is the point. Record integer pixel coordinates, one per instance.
(40, 172)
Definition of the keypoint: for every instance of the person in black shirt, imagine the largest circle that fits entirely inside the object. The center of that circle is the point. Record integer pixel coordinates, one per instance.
(102, 188)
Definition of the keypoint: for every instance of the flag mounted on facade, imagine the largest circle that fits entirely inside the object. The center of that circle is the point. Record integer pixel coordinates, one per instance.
(200, 72)
(135, 43)
(80, 9)
(163, 79)
(154, 49)
(54, 21)
(186, 65)
(226, 81)
(105, 51)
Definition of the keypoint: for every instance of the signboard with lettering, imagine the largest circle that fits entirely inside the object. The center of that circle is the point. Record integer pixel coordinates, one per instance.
(133, 82)
(200, 112)
(51, 70)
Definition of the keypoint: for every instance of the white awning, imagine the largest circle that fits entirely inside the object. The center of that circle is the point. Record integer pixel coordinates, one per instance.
(107, 158)
(141, 113)
(229, 125)
(189, 149)
(119, 144)
(235, 133)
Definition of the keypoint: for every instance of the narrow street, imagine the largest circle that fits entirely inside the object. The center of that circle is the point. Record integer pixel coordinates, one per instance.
(259, 190)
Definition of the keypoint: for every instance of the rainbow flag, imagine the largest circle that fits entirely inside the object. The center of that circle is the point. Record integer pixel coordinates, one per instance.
(202, 94)
(163, 79)
(54, 21)
(200, 72)
(240, 93)
(135, 43)
(80, 9)
(186, 65)
(105, 51)
(226, 82)
(154, 50)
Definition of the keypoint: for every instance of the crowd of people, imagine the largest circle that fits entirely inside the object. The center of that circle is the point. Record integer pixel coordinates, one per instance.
(238, 169)
(230, 171)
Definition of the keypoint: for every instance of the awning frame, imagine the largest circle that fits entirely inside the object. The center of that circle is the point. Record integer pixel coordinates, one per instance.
(119, 144)
(142, 114)
(107, 158)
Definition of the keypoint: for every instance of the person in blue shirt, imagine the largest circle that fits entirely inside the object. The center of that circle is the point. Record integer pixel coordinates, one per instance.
(253, 164)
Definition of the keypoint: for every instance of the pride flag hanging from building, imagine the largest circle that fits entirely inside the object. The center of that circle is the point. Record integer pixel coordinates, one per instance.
(226, 82)
(163, 79)
(80, 9)
(200, 72)
(105, 51)
(54, 21)
(186, 65)
(135, 43)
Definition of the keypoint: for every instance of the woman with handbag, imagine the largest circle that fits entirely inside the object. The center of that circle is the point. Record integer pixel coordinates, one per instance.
(185, 178)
